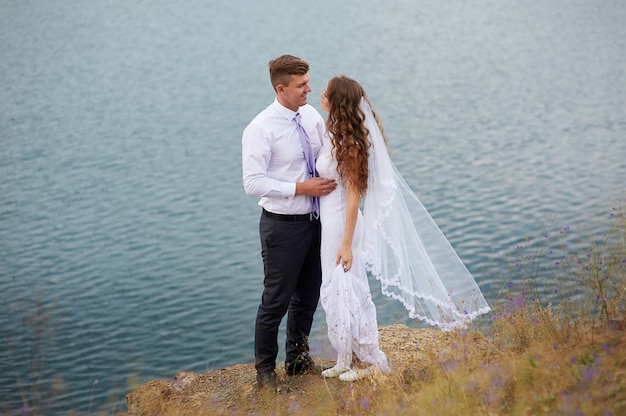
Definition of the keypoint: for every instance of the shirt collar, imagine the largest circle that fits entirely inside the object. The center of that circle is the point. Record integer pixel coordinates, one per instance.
(284, 111)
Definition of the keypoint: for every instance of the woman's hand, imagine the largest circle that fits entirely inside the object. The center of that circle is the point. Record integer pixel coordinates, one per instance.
(344, 257)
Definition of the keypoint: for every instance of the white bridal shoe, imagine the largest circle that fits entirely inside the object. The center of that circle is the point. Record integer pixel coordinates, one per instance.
(357, 373)
(334, 371)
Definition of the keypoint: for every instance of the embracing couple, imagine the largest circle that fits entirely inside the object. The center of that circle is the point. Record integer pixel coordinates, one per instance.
(311, 175)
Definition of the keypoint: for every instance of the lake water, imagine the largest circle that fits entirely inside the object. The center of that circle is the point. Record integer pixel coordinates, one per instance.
(128, 249)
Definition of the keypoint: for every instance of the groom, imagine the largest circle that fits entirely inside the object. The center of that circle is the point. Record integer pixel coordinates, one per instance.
(275, 170)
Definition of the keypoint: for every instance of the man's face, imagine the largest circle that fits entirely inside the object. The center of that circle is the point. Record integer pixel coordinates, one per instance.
(294, 95)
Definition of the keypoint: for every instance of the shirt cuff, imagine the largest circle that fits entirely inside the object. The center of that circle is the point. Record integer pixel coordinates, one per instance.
(289, 190)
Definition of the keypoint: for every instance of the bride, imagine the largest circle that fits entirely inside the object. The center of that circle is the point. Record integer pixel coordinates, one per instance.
(394, 238)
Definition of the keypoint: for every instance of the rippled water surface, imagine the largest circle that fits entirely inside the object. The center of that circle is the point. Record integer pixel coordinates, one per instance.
(128, 250)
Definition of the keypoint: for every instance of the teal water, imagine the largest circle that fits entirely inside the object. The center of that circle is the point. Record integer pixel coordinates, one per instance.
(122, 212)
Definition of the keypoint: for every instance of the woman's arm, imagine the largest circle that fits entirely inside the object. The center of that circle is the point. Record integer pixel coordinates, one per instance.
(344, 255)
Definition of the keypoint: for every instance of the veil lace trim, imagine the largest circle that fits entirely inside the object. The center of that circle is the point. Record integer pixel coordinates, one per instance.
(406, 251)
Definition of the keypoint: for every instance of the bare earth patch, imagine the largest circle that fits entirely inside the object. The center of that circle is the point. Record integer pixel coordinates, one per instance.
(233, 390)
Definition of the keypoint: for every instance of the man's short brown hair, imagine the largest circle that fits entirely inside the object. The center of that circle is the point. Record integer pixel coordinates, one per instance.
(284, 66)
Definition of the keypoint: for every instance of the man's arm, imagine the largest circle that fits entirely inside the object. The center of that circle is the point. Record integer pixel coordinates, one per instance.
(256, 155)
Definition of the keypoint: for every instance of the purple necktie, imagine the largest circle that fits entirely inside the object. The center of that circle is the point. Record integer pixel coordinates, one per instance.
(310, 160)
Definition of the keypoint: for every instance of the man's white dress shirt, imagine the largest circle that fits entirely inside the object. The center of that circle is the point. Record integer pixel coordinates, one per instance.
(273, 160)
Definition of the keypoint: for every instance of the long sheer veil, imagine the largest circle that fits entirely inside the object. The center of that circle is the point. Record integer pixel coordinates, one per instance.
(407, 252)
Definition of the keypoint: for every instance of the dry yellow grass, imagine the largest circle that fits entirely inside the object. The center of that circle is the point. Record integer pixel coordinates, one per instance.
(433, 373)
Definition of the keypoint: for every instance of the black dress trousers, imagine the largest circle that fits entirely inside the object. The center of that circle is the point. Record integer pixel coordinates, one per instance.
(293, 276)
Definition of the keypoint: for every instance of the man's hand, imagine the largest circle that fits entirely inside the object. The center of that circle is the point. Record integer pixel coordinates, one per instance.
(316, 187)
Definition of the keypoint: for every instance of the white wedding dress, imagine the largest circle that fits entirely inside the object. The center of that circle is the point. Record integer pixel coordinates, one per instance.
(399, 243)
(345, 296)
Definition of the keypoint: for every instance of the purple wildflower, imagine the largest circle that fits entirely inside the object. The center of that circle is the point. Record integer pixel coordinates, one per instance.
(365, 403)
(491, 397)
(589, 373)
(449, 365)
(497, 382)
(294, 407)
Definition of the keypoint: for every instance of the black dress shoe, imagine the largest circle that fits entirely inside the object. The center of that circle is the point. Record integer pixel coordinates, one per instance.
(267, 380)
(303, 364)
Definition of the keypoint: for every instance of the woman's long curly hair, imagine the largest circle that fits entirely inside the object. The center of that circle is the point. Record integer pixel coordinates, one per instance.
(347, 131)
